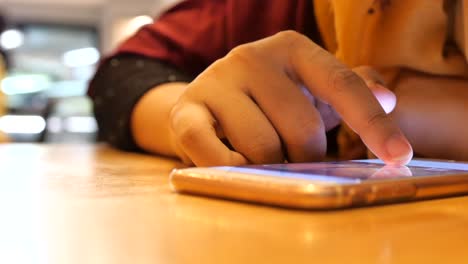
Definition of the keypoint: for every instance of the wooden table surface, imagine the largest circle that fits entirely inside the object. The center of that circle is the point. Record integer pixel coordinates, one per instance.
(91, 204)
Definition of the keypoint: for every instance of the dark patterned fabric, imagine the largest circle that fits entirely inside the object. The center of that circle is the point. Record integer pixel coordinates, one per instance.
(123, 80)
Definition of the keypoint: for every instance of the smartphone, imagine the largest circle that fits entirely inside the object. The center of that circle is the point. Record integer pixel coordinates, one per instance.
(326, 185)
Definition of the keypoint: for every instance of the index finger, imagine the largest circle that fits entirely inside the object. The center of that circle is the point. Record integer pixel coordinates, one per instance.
(333, 82)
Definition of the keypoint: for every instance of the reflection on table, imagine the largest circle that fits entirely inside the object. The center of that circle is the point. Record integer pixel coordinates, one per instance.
(91, 204)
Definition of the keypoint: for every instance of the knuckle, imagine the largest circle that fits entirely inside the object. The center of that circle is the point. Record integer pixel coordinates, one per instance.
(242, 53)
(289, 36)
(265, 150)
(238, 60)
(341, 79)
(298, 45)
(377, 118)
(183, 126)
(291, 39)
(213, 73)
(241, 58)
(208, 83)
(304, 134)
(188, 134)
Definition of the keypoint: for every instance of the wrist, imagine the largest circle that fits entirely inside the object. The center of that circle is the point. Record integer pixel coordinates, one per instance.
(150, 123)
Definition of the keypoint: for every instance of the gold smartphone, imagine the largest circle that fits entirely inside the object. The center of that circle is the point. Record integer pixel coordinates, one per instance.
(326, 185)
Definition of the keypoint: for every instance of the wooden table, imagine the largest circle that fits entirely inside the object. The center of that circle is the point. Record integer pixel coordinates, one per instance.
(91, 204)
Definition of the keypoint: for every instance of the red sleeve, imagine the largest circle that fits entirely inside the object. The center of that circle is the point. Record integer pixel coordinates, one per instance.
(195, 33)
(189, 36)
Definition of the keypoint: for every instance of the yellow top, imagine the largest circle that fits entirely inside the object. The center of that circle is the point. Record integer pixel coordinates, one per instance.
(395, 34)
(429, 36)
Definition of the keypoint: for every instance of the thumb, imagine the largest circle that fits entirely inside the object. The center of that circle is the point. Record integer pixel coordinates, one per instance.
(376, 84)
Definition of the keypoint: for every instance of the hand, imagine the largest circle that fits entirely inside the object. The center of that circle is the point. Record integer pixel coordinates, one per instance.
(253, 98)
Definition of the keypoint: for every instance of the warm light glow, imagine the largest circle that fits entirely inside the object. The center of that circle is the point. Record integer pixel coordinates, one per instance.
(22, 124)
(11, 39)
(81, 57)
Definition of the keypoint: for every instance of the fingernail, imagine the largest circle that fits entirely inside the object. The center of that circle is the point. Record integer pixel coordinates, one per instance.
(386, 98)
(399, 150)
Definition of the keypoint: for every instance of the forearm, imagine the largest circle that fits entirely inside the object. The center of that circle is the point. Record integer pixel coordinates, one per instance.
(432, 111)
(150, 119)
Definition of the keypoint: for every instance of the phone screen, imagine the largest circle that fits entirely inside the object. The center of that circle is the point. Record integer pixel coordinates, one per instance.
(353, 171)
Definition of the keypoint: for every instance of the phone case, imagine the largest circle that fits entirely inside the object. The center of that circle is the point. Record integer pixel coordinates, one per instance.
(302, 194)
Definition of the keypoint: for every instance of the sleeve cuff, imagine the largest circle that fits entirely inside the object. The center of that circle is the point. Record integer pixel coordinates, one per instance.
(118, 85)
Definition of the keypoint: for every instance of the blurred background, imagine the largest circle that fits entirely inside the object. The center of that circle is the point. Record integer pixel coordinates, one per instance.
(49, 51)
